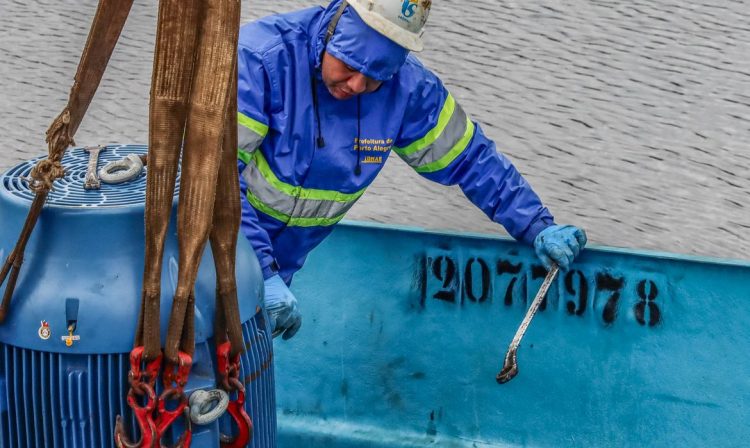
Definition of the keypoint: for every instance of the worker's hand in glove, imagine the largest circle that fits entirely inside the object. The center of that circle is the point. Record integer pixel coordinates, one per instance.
(559, 245)
(281, 306)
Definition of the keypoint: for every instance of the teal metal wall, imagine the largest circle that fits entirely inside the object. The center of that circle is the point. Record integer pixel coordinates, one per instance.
(404, 331)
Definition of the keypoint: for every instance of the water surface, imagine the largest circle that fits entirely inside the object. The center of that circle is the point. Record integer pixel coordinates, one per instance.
(631, 119)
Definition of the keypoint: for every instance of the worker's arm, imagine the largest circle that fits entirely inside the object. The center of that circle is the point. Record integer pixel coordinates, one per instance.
(441, 143)
(252, 127)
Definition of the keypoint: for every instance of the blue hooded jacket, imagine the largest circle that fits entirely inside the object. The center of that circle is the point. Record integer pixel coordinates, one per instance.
(304, 161)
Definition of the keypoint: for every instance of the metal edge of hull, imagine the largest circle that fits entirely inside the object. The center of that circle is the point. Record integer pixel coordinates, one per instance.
(632, 348)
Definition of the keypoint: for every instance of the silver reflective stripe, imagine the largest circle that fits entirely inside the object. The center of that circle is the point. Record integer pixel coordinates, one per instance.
(248, 140)
(454, 131)
(291, 206)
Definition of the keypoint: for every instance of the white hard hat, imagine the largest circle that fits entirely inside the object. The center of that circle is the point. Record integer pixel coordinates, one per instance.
(402, 21)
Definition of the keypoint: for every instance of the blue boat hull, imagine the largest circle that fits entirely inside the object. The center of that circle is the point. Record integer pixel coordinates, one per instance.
(405, 330)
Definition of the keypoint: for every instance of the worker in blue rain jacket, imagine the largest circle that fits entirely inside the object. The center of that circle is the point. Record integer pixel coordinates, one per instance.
(325, 94)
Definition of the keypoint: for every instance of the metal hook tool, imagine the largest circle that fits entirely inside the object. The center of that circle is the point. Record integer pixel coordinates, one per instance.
(510, 366)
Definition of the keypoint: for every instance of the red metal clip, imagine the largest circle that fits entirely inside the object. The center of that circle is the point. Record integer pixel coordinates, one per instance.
(136, 376)
(178, 376)
(143, 417)
(229, 373)
(222, 364)
(141, 383)
(165, 417)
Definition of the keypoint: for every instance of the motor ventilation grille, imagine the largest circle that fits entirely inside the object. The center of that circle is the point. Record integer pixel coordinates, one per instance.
(69, 191)
(61, 400)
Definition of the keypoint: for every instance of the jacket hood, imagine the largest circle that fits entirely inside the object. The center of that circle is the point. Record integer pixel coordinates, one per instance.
(358, 45)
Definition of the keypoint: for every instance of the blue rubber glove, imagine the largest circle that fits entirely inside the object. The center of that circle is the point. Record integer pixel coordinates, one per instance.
(559, 245)
(281, 306)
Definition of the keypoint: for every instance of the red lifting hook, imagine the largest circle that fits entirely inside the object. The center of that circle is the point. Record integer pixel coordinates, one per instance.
(165, 417)
(141, 383)
(229, 373)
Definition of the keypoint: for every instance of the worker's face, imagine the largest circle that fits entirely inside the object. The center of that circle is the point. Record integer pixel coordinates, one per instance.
(343, 81)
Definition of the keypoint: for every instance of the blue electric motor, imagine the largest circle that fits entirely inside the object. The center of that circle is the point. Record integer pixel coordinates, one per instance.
(64, 346)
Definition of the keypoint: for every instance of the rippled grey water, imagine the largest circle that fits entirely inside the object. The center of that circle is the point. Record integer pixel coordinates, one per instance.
(630, 118)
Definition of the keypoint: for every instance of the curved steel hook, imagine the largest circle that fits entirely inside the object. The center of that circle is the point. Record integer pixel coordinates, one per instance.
(177, 375)
(143, 417)
(166, 417)
(243, 421)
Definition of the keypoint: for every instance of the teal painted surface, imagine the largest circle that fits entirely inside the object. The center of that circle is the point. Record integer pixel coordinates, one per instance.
(399, 348)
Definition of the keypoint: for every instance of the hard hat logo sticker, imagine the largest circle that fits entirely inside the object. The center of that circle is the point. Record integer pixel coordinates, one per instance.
(408, 9)
(44, 330)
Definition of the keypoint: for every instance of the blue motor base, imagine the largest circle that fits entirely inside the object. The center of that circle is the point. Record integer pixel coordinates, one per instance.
(83, 269)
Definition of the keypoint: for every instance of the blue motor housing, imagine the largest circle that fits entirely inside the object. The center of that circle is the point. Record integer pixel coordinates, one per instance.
(82, 270)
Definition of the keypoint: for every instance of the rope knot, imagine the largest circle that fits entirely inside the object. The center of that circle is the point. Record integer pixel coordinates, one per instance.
(43, 174)
(58, 135)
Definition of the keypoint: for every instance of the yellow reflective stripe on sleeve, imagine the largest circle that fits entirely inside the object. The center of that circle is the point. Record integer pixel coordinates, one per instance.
(442, 144)
(250, 134)
(445, 115)
(457, 149)
(244, 156)
(254, 125)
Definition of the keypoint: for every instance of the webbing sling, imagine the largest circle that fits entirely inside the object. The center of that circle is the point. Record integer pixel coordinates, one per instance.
(226, 227)
(105, 31)
(192, 83)
(193, 109)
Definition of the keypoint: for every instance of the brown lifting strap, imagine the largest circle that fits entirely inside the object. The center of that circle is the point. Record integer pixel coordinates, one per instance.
(105, 31)
(193, 95)
(193, 111)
